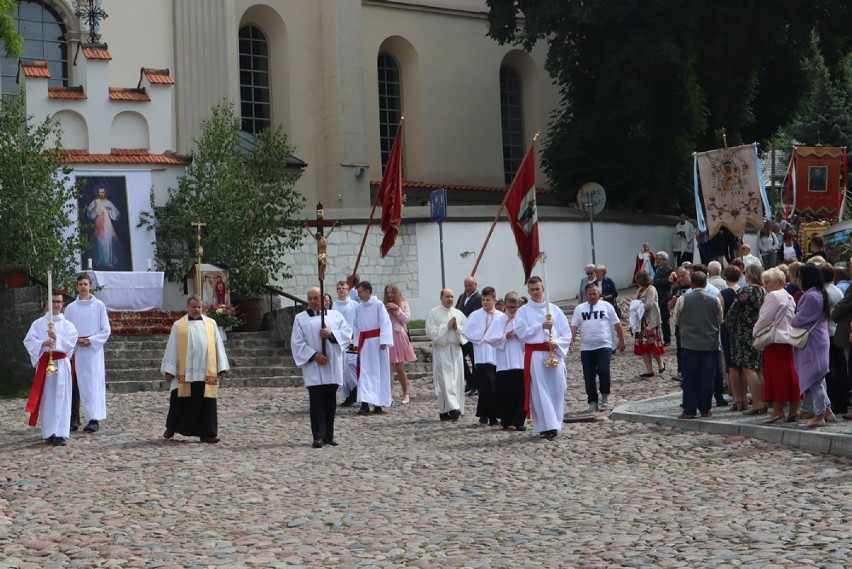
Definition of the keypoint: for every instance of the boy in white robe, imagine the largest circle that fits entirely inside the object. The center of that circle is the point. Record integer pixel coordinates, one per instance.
(484, 356)
(89, 316)
(345, 305)
(50, 396)
(510, 365)
(373, 336)
(194, 362)
(443, 327)
(546, 385)
(322, 366)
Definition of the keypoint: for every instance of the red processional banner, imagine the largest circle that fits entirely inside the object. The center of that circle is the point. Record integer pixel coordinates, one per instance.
(816, 182)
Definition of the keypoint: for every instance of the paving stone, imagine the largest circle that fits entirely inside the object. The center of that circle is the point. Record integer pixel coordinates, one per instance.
(405, 490)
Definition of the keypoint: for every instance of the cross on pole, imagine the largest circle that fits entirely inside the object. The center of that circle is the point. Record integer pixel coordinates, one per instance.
(199, 250)
(320, 223)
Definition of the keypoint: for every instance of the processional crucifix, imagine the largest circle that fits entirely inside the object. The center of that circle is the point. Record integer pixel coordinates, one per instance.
(322, 256)
(198, 252)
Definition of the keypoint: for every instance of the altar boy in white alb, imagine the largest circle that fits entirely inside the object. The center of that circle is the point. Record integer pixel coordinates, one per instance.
(322, 366)
(373, 336)
(50, 395)
(89, 316)
(346, 307)
(545, 385)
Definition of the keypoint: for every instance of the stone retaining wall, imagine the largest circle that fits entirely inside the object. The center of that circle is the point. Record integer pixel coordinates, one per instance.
(19, 307)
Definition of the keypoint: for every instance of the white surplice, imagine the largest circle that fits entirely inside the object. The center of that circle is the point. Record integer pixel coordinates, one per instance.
(447, 359)
(305, 342)
(55, 409)
(196, 353)
(350, 360)
(374, 381)
(548, 384)
(477, 325)
(509, 352)
(91, 320)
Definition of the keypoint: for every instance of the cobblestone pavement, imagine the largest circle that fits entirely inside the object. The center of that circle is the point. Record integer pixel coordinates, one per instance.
(405, 490)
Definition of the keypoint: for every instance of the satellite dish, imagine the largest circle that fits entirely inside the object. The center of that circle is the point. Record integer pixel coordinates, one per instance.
(591, 197)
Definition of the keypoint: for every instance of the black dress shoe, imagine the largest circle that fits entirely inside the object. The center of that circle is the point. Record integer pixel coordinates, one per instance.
(91, 427)
(364, 410)
(492, 422)
(168, 433)
(720, 402)
(51, 440)
(317, 443)
(378, 410)
(454, 415)
(521, 428)
(483, 420)
(550, 435)
(444, 416)
(59, 441)
(350, 399)
(330, 442)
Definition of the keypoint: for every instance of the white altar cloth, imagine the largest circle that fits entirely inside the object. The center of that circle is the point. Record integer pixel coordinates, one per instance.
(133, 291)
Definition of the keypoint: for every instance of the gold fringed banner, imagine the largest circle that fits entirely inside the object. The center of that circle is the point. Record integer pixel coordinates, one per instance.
(730, 185)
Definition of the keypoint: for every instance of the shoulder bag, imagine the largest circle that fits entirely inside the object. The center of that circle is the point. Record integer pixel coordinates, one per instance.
(799, 336)
(763, 338)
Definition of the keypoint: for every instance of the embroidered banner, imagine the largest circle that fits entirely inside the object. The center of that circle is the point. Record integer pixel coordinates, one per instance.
(523, 215)
(732, 186)
(816, 181)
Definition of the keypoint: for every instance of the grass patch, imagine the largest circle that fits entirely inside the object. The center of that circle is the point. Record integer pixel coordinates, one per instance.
(416, 324)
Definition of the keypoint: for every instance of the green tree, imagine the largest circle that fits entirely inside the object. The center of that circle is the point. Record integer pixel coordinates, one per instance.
(645, 83)
(12, 43)
(37, 199)
(825, 117)
(246, 199)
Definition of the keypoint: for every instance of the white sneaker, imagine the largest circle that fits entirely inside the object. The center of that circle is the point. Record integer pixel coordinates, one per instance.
(593, 407)
(604, 401)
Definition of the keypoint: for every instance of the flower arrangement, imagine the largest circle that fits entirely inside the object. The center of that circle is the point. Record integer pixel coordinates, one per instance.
(225, 315)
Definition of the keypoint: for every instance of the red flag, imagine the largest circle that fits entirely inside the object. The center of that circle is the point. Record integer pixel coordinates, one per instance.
(520, 204)
(390, 194)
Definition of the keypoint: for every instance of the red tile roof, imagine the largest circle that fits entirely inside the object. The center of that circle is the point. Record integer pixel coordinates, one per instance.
(464, 187)
(34, 68)
(60, 92)
(128, 94)
(122, 156)
(156, 76)
(96, 51)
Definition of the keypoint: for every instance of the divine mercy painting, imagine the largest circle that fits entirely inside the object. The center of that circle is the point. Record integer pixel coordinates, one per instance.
(104, 220)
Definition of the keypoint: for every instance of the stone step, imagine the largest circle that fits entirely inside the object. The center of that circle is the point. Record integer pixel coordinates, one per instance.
(235, 340)
(276, 360)
(129, 386)
(117, 355)
(153, 373)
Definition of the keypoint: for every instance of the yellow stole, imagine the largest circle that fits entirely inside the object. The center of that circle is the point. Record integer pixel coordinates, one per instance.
(211, 377)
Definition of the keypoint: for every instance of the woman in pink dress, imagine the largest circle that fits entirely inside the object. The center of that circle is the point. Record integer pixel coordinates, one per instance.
(401, 352)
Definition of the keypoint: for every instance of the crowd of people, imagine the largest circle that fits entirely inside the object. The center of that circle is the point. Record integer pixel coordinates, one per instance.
(509, 351)
(777, 325)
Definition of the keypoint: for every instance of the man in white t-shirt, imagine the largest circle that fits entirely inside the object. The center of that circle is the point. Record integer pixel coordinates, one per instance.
(595, 321)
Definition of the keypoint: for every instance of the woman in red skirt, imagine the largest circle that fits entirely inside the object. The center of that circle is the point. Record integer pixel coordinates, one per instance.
(648, 336)
(401, 352)
(780, 381)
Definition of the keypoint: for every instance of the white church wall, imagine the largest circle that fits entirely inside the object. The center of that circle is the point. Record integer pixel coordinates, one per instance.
(414, 263)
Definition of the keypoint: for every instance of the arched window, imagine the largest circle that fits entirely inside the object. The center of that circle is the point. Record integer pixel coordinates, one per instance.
(254, 80)
(390, 103)
(511, 115)
(44, 38)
